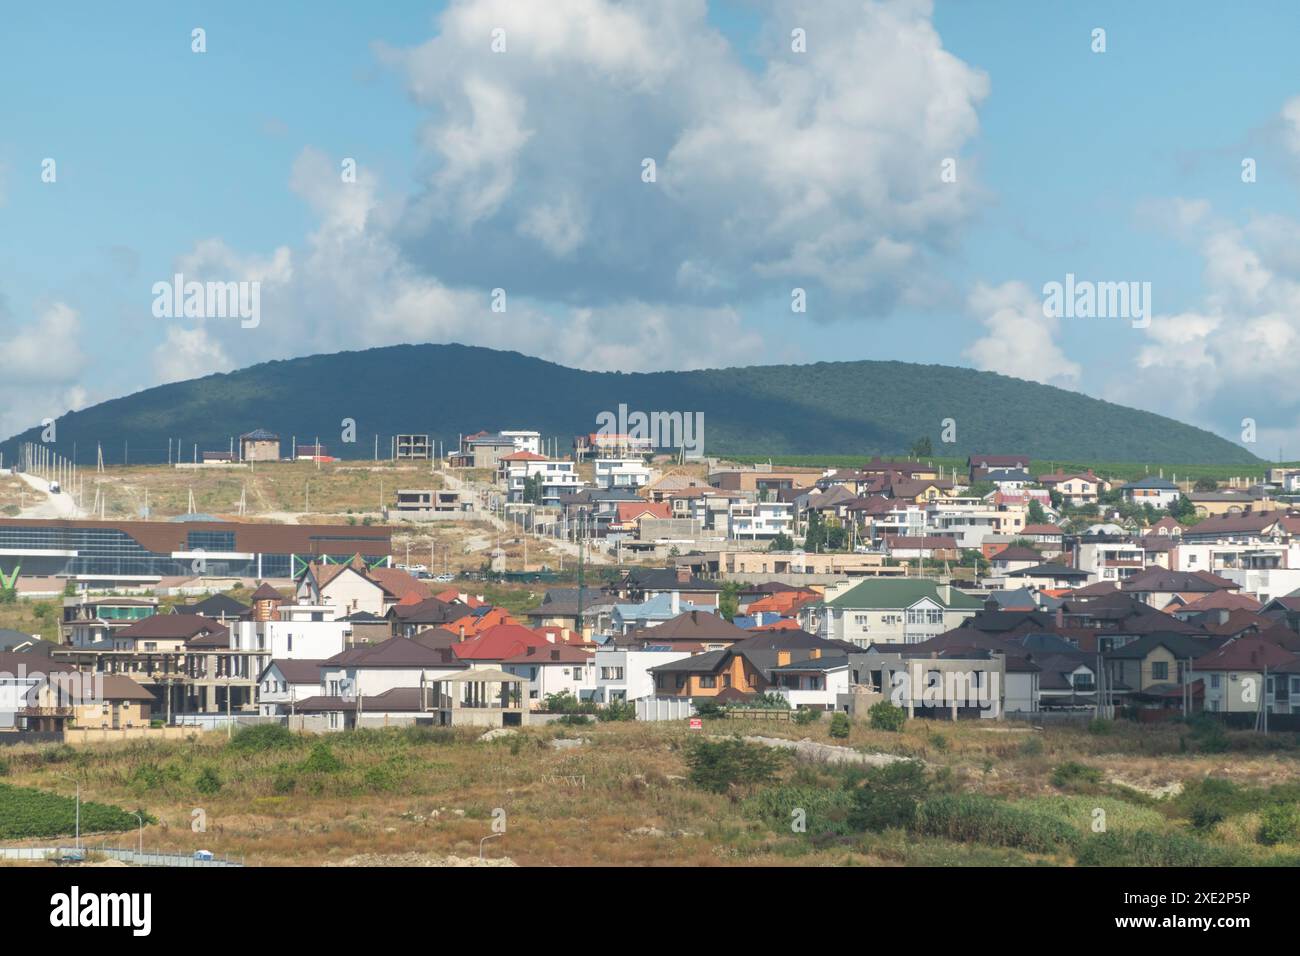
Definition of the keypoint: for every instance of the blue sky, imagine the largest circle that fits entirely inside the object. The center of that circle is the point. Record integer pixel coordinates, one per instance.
(778, 170)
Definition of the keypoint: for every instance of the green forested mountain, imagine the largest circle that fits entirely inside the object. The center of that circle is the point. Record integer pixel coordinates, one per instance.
(445, 390)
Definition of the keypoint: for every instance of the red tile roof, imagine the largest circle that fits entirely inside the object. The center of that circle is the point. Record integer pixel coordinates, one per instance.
(499, 642)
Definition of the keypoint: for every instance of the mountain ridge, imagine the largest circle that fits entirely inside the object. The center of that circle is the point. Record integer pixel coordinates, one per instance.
(857, 407)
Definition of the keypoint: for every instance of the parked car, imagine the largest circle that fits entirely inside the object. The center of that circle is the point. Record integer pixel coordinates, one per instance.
(203, 854)
(445, 578)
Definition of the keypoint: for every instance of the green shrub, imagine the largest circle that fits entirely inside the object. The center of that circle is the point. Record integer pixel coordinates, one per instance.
(322, 760)
(421, 734)
(59, 753)
(574, 720)
(283, 783)
(1032, 747)
(379, 778)
(1074, 775)
(1212, 800)
(806, 715)
(889, 796)
(708, 709)
(1280, 823)
(151, 776)
(1146, 848)
(1100, 727)
(617, 710)
(840, 725)
(885, 716)
(207, 781)
(1080, 810)
(261, 738)
(717, 765)
(973, 818)
(566, 703)
(826, 809)
(1208, 735)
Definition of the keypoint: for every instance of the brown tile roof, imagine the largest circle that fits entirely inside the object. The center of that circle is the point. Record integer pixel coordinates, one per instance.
(1245, 654)
(296, 670)
(171, 626)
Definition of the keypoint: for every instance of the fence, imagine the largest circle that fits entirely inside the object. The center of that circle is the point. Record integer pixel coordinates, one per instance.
(95, 735)
(133, 857)
(655, 708)
(756, 713)
(219, 721)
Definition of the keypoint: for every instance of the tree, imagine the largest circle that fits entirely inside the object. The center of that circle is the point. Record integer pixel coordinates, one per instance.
(782, 542)
(1036, 513)
(729, 599)
(921, 448)
(1182, 509)
(1206, 484)
(815, 534)
(836, 538)
(533, 489)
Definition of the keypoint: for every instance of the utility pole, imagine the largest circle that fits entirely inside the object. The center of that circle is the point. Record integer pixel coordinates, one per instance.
(582, 515)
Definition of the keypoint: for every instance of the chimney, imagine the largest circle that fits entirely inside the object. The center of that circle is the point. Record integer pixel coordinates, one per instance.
(462, 632)
(782, 658)
(683, 573)
(695, 617)
(676, 602)
(1060, 616)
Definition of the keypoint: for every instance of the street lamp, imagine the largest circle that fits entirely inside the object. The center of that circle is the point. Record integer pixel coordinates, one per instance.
(77, 781)
(139, 816)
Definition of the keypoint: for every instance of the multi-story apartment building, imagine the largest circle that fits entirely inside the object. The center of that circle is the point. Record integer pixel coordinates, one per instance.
(630, 473)
(557, 476)
(759, 520)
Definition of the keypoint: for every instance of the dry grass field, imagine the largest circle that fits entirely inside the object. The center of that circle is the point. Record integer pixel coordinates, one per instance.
(15, 495)
(626, 795)
(271, 489)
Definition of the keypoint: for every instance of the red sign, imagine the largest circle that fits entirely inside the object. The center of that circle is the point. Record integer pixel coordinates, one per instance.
(697, 723)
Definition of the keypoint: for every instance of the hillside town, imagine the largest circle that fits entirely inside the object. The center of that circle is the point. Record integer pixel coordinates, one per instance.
(991, 590)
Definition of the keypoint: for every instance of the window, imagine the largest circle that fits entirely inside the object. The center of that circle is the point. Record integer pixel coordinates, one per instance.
(1214, 681)
(708, 680)
(1160, 670)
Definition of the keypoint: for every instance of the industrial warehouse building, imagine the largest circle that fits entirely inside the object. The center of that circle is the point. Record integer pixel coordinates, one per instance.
(104, 553)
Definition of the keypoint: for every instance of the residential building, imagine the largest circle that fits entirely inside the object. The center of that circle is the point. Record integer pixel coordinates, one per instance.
(630, 473)
(759, 520)
(520, 469)
(888, 611)
(259, 445)
(554, 670)
(1156, 492)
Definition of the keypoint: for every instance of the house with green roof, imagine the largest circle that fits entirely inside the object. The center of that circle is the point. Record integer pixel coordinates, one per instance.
(889, 611)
